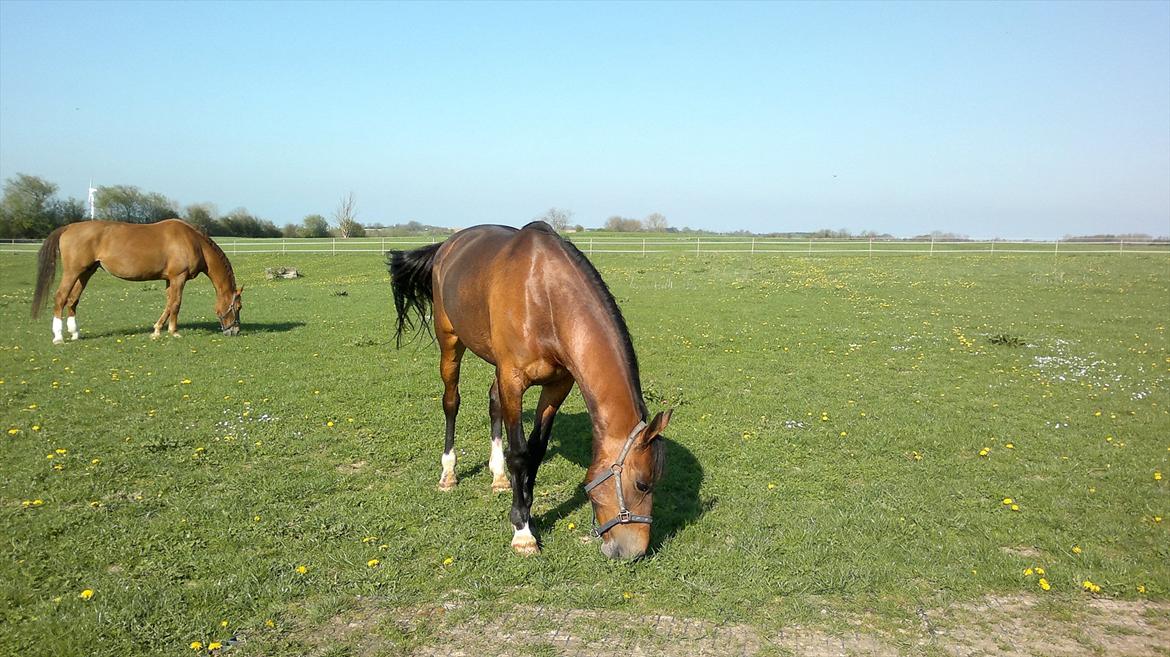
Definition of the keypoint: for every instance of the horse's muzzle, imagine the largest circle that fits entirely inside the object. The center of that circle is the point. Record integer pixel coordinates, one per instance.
(232, 330)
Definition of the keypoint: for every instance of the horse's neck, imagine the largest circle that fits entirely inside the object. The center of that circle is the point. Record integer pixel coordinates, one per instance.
(606, 382)
(218, 270)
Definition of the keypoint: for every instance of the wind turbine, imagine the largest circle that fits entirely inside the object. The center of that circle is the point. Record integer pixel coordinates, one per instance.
(92, 200)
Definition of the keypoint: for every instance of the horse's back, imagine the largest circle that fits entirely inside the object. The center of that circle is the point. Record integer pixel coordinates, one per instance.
(491, 287)
(133, 251)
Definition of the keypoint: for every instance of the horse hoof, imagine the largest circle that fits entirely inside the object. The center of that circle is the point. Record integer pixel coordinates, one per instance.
(58, 340)
(501, 485)
(75, 336)
(447, 483)
(156, 335)
(527, 548)
(176, 335)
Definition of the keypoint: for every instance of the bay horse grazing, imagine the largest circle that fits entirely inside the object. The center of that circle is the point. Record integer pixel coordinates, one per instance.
(170, 250)
(533, 305)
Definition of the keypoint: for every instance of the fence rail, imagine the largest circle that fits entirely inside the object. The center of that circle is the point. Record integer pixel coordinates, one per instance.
(699, 245)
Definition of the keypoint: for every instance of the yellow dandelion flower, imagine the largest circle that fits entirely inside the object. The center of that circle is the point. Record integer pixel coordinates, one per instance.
(1157, 476)
(627, 595)
(1157, 518)
(1076, 549)
(1044, 584)
(1141, 588)
(1010, 446)
(13, 431)
(1015, 507)
(185, 381)
(1039, 570)
(223, 623)
(771, 486)
(372, 563)
(1007, 501)
(269, 623)
(214, 645)
(1027, 572)
(448, 561)
(302, 569)
(572, 525)
(985, 451)
(36, 427)
(38, 502)
(196, 645)
(86, 594)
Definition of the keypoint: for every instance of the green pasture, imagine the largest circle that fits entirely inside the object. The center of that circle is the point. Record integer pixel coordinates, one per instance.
(848, 431)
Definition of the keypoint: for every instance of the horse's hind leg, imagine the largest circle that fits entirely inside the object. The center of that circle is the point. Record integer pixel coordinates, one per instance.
(75, 298)
(450, 356)
(69, 278)
(500, 483)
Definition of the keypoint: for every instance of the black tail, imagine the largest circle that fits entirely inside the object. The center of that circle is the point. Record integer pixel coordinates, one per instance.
(46, 269)
(410, 274)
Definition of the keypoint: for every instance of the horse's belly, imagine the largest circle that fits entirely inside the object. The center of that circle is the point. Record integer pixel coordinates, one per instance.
(137, 272)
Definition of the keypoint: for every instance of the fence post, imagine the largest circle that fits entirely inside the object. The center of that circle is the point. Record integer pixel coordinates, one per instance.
(753, 246)
(932, 245)
(334, 246)
(1121, 246)
(993, 246)
(383, 245)
(643, 246)
(1056, 250)
(810, 246)
(871, 247)
(697, 240)
(590, 246)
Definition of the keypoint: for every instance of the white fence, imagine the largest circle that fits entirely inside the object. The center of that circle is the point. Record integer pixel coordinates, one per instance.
(695, 245)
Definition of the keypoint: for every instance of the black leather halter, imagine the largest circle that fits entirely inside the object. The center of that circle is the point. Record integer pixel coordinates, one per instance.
(624, 517)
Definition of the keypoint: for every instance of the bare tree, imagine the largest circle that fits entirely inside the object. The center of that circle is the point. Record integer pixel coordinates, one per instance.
(557, 218)
(621, 224)
(346, 217)
(655, 222)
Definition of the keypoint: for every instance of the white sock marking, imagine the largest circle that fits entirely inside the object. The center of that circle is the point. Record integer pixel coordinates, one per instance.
(71, 324)
(496, 461)
(448, 462)
(523, 536)
(57, 330)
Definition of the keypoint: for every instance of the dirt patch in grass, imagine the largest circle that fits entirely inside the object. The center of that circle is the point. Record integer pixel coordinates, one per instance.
(1009, 626)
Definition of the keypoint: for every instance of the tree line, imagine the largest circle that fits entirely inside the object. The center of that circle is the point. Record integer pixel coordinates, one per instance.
(30, 208)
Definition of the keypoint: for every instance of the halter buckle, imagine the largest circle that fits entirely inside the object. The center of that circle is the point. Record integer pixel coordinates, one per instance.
(624, 516)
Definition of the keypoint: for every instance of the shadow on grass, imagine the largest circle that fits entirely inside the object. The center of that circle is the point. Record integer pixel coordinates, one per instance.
(202, 327)
(676, 498)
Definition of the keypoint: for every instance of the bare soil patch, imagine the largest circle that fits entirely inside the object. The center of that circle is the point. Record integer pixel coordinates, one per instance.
(1008, 626)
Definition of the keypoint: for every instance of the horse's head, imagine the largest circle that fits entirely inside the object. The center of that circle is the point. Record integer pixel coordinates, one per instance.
(227, 308)
(621, 489)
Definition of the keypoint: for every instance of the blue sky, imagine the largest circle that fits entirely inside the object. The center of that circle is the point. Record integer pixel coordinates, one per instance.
(992, 120)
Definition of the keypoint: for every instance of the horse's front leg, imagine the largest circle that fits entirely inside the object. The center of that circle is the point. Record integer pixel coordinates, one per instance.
(171, 312)
(551, 398)
(511, 387)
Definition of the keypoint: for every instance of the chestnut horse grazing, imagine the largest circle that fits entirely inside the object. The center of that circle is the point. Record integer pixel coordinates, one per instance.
(170, 250)
(531, 304)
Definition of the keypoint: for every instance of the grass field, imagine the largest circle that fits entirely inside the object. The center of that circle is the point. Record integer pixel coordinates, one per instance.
(847, 435)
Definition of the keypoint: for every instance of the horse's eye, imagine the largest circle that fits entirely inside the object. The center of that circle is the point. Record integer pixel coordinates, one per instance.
(642, 486)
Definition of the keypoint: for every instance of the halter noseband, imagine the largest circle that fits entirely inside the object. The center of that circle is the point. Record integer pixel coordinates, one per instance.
(231, 307)
(624, 517)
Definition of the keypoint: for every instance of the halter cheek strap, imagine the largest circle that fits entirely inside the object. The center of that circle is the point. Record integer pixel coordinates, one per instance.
(624, 517)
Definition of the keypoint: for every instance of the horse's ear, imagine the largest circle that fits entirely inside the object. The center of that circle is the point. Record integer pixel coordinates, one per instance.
(657, 425)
